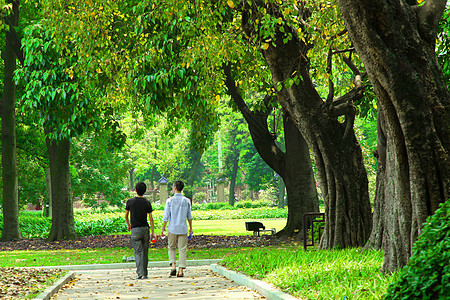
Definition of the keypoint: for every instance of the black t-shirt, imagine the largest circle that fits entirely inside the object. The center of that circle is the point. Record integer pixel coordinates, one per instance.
(139, 207)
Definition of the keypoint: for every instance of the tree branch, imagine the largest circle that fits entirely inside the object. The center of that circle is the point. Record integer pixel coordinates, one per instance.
(429, 16)
(349, 122)
(330, 96)
(257, 124)
(344, 104)
(233, 91)
(11, 35)
(351, 65)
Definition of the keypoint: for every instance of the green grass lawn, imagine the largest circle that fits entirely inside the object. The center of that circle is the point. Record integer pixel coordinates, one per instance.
(330, 274)
(96, 256)
(233, 227)
(229, 227)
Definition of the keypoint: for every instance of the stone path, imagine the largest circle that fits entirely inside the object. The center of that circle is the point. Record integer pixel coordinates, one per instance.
(199, 283)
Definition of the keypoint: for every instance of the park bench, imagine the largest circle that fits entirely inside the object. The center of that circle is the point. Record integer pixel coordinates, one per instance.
(312, 215)
(258, 227)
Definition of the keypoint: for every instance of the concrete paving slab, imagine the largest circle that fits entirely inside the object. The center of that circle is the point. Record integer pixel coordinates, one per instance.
(199, 283)
(198, 262)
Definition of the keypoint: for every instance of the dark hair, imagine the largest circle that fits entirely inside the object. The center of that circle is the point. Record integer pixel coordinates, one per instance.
(179, 185)
(141, 187)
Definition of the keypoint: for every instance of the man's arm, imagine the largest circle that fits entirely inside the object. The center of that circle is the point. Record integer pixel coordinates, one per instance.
(190, 226)
(152, 224)
(163, 227)
(127, 212)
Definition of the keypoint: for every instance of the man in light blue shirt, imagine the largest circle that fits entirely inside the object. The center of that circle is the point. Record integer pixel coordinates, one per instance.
(177, 211)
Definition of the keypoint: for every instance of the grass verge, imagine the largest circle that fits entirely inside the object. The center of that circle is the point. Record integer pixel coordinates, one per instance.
(334, 274)
(97, 256)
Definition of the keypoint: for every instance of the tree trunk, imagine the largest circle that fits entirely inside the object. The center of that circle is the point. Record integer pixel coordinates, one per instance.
(131, 172)
(299, 180)
(233, 159)
(396, 42)
(152, 185)
(234, 172)
(337, 153)
(281, 193)
(294, 166)
(48, 198)
(11, 230)
(376, 237)
(191, 174)
(63, 223)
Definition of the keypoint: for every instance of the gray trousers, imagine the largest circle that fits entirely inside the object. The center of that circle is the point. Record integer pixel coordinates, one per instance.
(140, 237)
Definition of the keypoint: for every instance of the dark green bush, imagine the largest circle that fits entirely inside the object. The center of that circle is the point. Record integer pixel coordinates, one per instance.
(100, 227)
(427, 275)
(34, 226)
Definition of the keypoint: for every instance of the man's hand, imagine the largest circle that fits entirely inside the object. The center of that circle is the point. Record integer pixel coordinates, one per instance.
(127, 213)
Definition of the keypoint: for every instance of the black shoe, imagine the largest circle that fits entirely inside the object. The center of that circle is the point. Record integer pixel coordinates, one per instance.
(173, 272)
(139, 277)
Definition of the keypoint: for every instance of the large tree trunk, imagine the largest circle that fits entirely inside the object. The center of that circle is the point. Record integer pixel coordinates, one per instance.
(11, 230)
(376, 237)
(396, 42)
(131, 173)
(152, 175)
(339, 161)
(192, 173)
(63, 223)
(281, 192)
(48, 198)
(299, 180)
(234, 172)
(294, 166)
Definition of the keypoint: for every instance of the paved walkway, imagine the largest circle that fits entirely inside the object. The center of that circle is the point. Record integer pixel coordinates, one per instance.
(199, 283)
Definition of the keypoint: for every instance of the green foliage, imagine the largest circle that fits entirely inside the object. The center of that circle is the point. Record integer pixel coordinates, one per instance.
(443, 45)
(268, 195)
(237, 205)
(427, 274)
(250, 213)
(97, 171)
(31, 161)
(334, 274)
(100, 227)
(258, 173)
(254, 204)
(201, 196)
(53, 96)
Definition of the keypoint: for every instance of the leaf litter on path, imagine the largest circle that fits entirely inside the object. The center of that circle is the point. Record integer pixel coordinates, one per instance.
(18, 283)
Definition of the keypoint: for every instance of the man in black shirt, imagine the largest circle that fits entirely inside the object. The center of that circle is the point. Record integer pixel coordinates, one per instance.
(139, 207)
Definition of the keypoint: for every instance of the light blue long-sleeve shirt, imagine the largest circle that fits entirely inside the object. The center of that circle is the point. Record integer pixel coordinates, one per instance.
(177, 211)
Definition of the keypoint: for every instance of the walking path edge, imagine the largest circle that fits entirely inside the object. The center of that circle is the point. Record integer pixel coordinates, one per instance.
(51, 290)
(265, 289)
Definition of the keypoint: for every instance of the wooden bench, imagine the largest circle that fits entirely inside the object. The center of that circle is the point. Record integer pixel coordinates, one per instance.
(258, 227)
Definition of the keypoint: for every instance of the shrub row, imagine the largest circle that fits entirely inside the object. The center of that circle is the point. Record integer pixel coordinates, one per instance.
(94, 222)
